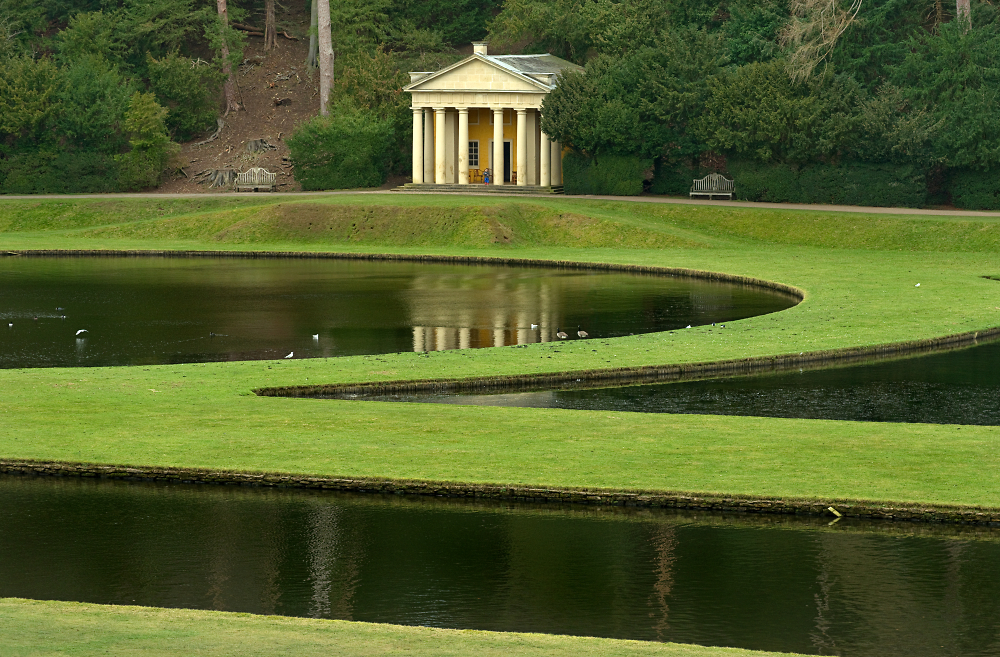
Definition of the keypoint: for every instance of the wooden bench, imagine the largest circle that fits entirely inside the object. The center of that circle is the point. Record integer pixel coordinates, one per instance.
(713, 185)
(256, 180)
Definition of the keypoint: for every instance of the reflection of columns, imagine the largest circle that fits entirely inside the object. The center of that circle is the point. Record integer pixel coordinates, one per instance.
(439, 146)
(428, 145)
(463, 338)
(522, 147)
(440, 338)
(499, 325)
(463, 145)
(556, 164)
(545, 177)
(418, 145)
(418, 338)
(498, 166)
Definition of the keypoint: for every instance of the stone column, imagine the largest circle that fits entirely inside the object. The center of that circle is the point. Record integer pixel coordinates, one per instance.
(556, 164)
(428, 145)
(418, 145)
(522, 147)
(497, 176)
(545, 179)
(463, 145)
(439, 146)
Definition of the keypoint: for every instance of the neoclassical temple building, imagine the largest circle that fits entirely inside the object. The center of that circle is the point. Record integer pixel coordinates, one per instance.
(481, 117)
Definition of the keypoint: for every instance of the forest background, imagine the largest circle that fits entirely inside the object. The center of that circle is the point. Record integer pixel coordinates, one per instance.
(875, 102)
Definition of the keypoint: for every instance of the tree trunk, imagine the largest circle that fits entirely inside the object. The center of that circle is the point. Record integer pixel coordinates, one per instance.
(270, 29)
(963, 12)
(313, 45)
(229, 88)
(325, 55)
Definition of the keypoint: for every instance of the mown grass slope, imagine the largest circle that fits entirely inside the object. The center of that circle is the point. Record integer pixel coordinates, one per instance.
(29, 628)
(207, 416)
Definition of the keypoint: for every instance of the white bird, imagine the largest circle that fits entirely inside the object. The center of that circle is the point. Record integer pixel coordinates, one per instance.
(534, 326)
(11, 325)
(290, 354)
(315, 336)
(688, 326)
(81, 331)
(917, 285)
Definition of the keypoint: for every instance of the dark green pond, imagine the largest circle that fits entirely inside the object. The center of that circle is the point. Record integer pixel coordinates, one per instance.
(770, 583)
(954, 387)
(171, 310)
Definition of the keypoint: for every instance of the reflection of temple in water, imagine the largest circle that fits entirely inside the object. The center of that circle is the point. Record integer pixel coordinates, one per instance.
(512, 307)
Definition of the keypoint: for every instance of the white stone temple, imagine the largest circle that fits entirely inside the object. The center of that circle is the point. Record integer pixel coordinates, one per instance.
(464, 111)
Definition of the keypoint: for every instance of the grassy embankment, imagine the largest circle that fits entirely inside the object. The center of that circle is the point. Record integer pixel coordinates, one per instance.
(28, 628)
(205, 415)
(858, 273)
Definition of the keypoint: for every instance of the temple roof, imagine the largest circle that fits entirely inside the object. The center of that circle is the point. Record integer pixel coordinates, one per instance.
(538, 71)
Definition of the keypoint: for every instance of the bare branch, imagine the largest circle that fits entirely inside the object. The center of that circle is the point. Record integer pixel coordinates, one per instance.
(813, 31)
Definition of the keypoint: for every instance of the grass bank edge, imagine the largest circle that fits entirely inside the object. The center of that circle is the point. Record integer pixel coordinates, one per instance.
(32, 627)
(966, 514)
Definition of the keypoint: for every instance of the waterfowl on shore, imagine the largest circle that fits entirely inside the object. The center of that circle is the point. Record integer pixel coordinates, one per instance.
(561, 334)
(580, 332)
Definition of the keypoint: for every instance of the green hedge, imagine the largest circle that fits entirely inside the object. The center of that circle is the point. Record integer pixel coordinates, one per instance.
(67, 172)
(975, 190)
(608, 175)
(673, 179)
(881, 185)
(346, 150)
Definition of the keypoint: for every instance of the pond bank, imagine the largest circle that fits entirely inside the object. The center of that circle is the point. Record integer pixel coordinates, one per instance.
(858, 273)
(31, 627)
(834, 508)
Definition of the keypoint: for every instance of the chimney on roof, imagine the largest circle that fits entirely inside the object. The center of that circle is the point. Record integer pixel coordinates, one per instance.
(480, 47)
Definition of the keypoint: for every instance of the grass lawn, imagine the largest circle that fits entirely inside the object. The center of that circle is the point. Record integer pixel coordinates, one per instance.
(29, 627)
(858, 273)
(863, 293)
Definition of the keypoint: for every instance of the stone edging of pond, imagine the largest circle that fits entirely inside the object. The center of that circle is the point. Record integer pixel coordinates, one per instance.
(636, 375)
(939, 513)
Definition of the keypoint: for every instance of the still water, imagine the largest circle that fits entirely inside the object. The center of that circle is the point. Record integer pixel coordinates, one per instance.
(772, 583)
(129, 311)
(954, 387)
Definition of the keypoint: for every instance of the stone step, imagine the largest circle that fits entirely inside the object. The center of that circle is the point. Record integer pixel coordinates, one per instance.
(481, 189)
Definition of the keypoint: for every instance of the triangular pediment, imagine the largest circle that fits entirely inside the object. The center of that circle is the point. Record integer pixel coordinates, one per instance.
(477, 73)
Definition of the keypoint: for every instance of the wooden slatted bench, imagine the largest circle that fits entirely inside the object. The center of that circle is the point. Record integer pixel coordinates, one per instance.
(256, 180)
(713, 185)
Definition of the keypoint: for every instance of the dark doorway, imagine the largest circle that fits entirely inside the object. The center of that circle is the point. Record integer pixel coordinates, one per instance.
(506, 161)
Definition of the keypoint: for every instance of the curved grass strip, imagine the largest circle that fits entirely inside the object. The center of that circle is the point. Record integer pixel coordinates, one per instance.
(857, 273)
(30, 627)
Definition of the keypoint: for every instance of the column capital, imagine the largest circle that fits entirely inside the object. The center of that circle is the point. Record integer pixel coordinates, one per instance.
(463, 110)
(440, 109)
(523, 111)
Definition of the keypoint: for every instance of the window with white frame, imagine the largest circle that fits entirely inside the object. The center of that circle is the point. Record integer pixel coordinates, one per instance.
(474, 154)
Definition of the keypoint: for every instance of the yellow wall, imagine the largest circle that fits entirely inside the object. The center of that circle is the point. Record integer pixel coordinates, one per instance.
(483, 131)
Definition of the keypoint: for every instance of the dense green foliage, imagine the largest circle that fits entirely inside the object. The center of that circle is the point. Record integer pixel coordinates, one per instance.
(882, 185)
(709, 80)
(976, 190)
(615, 175)
(350, 148)
(92, 91)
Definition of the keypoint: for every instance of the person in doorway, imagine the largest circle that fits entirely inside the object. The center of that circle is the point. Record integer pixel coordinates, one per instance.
(486, 176)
